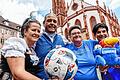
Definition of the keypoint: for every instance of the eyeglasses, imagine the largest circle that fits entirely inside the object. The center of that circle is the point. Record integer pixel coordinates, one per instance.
(50, 20)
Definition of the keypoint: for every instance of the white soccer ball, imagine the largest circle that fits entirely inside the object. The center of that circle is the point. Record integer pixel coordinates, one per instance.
(61, 63)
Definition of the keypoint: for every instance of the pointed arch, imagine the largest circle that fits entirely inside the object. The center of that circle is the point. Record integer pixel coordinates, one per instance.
(77, 22)
(103, 19)
(92, 23)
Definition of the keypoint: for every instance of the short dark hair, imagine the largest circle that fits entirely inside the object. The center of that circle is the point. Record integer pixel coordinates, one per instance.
(26, 23)
(99, 25)
(74, 27)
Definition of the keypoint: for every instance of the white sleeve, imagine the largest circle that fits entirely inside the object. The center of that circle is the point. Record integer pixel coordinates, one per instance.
(14, 47)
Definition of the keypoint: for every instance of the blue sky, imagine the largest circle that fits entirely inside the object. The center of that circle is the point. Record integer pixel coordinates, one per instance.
(18, 10)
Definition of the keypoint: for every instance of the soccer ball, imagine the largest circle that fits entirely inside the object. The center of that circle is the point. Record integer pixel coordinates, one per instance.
(61, 63)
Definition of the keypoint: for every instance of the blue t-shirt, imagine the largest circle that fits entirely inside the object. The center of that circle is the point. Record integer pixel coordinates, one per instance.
(86, 60)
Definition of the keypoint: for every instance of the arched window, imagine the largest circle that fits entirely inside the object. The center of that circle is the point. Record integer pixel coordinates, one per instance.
(77, 22)
(92, 23)
(103, 19)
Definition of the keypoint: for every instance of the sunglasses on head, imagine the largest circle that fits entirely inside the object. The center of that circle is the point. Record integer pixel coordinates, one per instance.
(31, 19)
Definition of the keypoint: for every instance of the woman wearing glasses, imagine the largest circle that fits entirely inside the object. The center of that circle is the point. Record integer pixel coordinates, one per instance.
(83, 50)
(19, 54)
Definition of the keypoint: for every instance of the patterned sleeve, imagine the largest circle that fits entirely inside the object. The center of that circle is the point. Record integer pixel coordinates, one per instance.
(14, 47)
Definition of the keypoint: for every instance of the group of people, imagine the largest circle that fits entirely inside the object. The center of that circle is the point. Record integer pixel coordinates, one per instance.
(25, 56)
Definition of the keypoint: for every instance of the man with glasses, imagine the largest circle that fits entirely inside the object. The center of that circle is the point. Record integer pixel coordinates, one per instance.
(48, 41)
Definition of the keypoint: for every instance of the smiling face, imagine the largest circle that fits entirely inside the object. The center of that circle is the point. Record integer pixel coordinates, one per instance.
(32, 34)
(50, 24)
(76, 37)
(101, 33)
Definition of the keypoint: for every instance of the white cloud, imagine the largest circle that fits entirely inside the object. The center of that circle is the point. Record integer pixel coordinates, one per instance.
(114, 4)
(18, 10)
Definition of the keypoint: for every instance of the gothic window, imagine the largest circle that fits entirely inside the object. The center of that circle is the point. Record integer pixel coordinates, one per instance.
(103, 19)
(77, 22)
(74, 6)
(92, 21)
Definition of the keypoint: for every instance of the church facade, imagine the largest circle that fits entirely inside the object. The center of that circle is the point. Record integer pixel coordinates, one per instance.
(86, 15)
